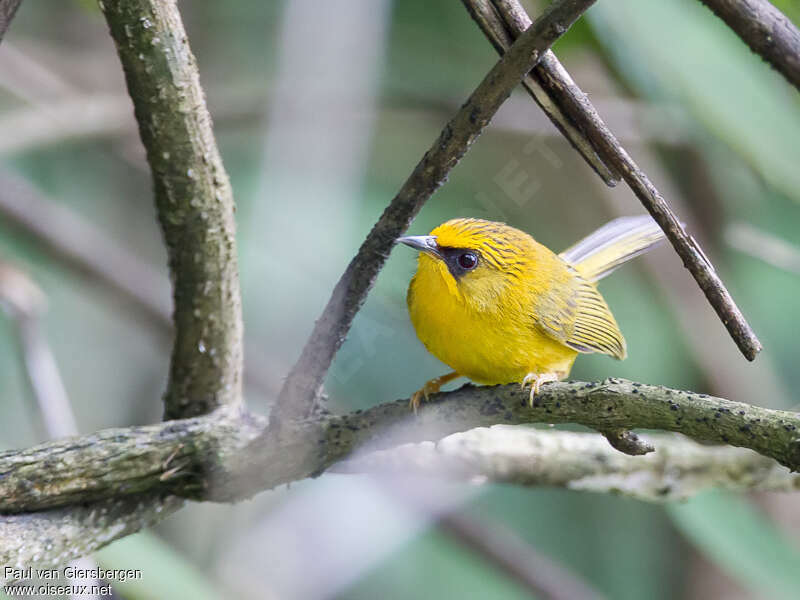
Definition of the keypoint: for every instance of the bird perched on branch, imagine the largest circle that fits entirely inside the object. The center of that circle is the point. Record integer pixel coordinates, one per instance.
(498, 307)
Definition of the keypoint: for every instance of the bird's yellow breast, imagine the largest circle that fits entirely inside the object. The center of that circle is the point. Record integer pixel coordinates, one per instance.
(485, 332)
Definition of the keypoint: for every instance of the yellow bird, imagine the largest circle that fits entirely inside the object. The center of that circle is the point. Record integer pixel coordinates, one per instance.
(498, 307)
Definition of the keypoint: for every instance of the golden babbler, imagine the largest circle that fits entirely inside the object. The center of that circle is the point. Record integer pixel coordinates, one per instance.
(498, 307)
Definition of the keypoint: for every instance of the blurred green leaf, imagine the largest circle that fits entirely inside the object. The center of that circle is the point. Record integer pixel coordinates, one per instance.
(680, 51)
(165, 572)
(742, 541)
(791, 8)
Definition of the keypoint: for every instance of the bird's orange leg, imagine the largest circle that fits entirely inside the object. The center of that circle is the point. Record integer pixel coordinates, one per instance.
(537, 379)
(431, 387)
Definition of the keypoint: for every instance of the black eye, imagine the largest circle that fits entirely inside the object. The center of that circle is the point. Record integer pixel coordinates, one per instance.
(467, 261)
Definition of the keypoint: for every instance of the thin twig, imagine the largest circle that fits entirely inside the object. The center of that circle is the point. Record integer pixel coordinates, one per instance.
(227, 457)
(194, 202)
(576, 104)
(706, 342)
(304, 382)
(24, 303)
(767, 31)
(489, 21)
(8, 8)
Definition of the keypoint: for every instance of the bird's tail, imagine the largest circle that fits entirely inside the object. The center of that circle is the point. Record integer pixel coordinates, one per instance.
(616, 242)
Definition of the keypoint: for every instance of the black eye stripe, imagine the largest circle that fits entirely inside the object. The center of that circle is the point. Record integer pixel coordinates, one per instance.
(460, 260)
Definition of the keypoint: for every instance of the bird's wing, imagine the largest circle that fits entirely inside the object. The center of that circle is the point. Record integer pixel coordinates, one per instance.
(573, 312)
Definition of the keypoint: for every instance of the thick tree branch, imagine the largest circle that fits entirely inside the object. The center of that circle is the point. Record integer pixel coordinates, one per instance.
(194, 202)
(575, 104)
(678, 469)
(50, 539)
(212, 458)
(8, 8)
(305, 379)
(767, 31)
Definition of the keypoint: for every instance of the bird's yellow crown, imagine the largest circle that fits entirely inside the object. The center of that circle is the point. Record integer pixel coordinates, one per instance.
(502, 255)
(503, 247)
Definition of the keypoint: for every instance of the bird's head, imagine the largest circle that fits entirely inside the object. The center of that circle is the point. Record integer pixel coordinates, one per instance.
(477, 260)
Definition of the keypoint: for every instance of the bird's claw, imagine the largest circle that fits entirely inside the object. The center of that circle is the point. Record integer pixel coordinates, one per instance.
(431, 387)
(416, 398)
(536, 380)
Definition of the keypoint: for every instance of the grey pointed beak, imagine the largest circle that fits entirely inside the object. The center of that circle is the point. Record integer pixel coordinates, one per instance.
(423, 243)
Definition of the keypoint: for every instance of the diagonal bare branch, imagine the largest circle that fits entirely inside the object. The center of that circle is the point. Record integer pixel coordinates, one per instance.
(574, 102)
(767, 31)
(305, 380)
(194, 202)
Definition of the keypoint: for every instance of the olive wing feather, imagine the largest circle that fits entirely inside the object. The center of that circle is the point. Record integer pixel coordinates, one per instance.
(573, 312)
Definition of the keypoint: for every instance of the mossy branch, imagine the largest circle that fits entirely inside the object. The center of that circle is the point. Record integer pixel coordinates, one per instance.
(194, 202)
(214, 458)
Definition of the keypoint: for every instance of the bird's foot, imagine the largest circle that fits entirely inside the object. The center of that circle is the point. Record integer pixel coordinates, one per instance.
(535, 380)
(431, 387)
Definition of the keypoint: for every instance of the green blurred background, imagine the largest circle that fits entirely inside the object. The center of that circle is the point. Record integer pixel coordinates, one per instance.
(321, 111)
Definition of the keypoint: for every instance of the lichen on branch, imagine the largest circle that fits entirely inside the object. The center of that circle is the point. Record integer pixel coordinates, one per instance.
(225, 456)
(194, 202)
